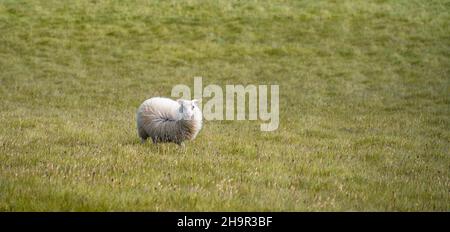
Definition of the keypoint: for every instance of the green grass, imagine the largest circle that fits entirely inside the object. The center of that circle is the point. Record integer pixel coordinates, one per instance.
(364, 105)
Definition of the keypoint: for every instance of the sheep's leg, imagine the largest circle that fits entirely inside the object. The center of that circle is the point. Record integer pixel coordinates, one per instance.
(178, 142)
(182, 146)
(142, 134)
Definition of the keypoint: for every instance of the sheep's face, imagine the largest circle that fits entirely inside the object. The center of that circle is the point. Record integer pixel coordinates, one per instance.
(189, 109)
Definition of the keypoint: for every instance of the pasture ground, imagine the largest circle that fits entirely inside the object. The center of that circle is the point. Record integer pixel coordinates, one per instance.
(364, 105)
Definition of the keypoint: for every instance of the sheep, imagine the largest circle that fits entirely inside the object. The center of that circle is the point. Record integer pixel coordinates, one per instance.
(165, 120)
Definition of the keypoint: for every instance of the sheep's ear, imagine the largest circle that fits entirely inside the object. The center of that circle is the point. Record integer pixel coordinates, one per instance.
(181, 102)
(195, 101)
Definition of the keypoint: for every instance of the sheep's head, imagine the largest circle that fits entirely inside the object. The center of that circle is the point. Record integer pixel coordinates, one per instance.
(189, 109)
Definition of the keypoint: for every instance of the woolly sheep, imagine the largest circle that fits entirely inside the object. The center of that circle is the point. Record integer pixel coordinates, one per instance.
(166, 120)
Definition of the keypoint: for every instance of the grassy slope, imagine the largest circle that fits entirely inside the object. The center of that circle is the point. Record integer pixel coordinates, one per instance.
(364, 94)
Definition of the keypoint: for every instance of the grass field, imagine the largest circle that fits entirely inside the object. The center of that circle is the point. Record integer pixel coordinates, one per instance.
(364, 105)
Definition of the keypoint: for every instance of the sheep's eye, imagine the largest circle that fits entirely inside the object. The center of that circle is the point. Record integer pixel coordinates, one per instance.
(193, 107)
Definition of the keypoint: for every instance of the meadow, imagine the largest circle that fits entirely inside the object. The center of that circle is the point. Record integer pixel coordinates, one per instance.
(364, 105)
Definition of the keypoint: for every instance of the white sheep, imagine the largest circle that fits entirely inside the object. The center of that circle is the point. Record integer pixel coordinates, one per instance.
(166, 120)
